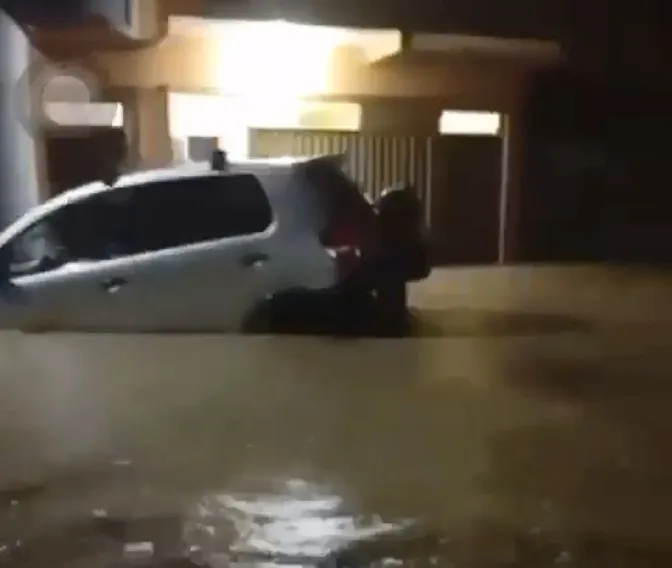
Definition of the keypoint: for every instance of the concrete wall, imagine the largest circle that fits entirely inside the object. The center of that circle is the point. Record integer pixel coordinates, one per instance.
(401, 117)
(18, 166)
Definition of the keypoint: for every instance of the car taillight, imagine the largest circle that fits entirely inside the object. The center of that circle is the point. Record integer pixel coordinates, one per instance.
(342, 236)
(344, 243)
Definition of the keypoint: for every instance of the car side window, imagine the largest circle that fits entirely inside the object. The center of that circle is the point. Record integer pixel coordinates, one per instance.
(92, 229)
(190, 211)
(152, 217)
(72, 233)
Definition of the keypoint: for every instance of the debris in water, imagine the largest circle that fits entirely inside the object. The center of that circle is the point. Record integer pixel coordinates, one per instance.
(563, 558)
(138, 550)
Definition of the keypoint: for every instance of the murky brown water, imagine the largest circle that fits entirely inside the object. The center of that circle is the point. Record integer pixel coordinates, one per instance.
(498, 437)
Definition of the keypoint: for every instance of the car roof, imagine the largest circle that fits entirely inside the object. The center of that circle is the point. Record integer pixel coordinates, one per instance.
(191, 169)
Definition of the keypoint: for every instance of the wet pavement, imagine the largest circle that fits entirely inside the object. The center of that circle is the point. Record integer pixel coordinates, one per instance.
(526, 423)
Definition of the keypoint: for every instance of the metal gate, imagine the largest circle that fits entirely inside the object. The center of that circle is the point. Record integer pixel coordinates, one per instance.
(457, 179)
(374, 161)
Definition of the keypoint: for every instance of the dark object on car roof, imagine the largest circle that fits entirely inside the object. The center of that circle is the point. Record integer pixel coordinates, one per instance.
(219, 160)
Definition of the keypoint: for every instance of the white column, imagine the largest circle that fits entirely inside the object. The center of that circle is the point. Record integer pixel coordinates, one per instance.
(18, 164)
(147, 129)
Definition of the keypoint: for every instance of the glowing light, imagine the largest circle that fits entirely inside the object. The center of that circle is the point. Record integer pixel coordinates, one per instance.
(230, 118)
(469, 122)
(276, 58)
(265, 71)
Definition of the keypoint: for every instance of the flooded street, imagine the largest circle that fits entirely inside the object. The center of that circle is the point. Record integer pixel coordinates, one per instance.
(528, 423)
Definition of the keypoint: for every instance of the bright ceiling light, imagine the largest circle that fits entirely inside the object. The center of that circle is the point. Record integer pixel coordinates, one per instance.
(278, 59)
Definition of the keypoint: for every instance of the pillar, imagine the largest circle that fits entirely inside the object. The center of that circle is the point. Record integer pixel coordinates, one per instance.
(147, 127)
(18, 167)
(511, 194)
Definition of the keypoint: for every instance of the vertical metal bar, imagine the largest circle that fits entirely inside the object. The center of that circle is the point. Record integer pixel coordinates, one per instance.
(504, 190)
(428, 179)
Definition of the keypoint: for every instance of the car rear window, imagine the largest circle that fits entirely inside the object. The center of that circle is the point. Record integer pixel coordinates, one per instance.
(338, 194)
(188, 211)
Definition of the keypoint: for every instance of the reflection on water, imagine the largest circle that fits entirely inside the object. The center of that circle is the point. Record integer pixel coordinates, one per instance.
(302, 524)
(298, 524)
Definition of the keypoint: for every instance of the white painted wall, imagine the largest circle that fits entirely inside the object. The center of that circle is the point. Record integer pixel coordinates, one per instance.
(230, 118)
(18, 164)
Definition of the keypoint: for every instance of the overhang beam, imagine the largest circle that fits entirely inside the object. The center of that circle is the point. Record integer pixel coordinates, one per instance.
(421, 47)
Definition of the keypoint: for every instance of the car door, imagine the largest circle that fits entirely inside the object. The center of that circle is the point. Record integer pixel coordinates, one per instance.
(211, 246)
(70, 271)
(80, 296)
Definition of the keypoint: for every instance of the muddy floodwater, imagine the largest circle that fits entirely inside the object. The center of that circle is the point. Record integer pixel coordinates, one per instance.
(528, 422)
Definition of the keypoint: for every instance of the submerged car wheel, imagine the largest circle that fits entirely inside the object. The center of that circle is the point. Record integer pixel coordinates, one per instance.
(353, 312)
(333, 312)
(262, 318)
(284, 313)
(392, 307)
(354, 301)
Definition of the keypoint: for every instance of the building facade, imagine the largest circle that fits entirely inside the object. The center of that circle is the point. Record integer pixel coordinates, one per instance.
(145, 56)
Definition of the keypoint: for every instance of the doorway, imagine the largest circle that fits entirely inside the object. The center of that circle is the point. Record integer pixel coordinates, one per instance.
(78, 155)
(466, 190)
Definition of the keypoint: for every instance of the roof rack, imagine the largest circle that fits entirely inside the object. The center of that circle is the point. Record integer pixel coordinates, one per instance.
(219, 161)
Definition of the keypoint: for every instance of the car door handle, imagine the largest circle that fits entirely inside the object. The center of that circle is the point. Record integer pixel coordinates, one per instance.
(114, 284)
(254, 259)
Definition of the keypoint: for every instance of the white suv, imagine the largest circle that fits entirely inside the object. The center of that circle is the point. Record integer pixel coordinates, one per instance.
(194, 248)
